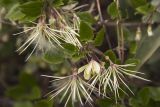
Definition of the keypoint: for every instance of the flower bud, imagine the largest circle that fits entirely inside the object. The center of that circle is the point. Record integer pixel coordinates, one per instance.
(138, 34)
(96, 67)
(88, 71)
(149, 31)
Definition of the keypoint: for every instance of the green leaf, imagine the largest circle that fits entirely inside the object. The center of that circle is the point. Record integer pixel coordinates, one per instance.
(35, 93)
(32, 8)
(54, 58)
(137, 3)
(86, 32)
(133, 47)
(132, 61)
(69, 49)
(133, 102)
(111, 55)
(15, 92)
(14, 13)
(7, 3)
(145, 9)
(144, 95)
(108, 103)
(44, 103)
(27, 80)
(68, 2)
(105, 103)
(86, 17)
(57, 3)
(77, 56)
(23, 93)
(28, 19)
(153, 103)
(112, 10)
(99, 37)
(155, 93)
(23, 104)
(148, 46)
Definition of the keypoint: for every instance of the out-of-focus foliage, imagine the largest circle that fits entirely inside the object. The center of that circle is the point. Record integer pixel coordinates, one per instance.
(21, 84)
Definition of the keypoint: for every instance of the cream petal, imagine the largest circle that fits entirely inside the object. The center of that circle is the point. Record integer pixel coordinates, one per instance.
(88, 71)
(81, 69)
(96, 67)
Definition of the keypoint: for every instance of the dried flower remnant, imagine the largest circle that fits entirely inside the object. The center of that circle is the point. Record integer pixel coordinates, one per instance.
(149, 30)
(69, 24)
(71, 88)
(138, 34)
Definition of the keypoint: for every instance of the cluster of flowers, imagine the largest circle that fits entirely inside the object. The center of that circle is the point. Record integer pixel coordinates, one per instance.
(46, 37)
(139, 32)
(97, 79)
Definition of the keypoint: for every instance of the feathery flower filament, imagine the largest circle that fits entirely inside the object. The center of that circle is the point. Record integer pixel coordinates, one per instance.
(112, 77)
(69, 24)
(46, 37)
(71, 88)
(42, 37)
(115, 74)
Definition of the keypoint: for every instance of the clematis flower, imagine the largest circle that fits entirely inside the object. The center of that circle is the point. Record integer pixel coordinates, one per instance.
(112, 77)
(115, 74)
(42, 37)
(46, 37)
(71, 88)
(93, 67)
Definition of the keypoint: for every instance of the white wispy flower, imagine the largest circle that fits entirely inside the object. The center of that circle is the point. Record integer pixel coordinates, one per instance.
(42, 37)
(46, 37)
(149, 30)
(115, 74)
(93, 67)
(71, 88)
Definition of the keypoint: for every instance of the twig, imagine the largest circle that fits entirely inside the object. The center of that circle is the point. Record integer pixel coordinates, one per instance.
(102, 20)
(7, 23)
(120, 33)
(127, 24)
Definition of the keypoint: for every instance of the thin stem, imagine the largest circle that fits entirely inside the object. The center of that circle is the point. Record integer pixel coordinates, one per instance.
(120, 34)
(118, 39)
(122, 46)
(97, 51)
(102, 20)
(127, 24)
